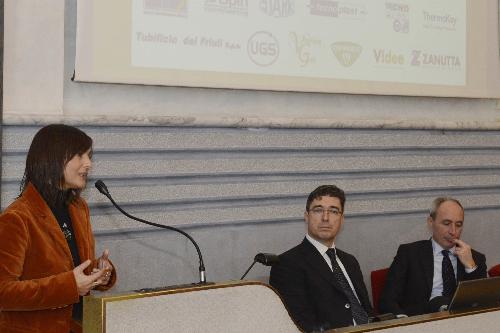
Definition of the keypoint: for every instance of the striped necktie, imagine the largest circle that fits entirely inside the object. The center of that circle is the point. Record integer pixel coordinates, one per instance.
(358, 313)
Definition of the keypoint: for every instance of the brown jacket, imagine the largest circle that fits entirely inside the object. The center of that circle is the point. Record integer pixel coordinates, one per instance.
(37, 285)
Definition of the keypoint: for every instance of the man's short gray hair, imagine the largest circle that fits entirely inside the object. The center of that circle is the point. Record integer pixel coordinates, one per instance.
(437, 203)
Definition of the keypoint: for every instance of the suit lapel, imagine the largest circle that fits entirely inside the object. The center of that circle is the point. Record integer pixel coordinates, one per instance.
(78, 220)
(427, 262)
(318, 264)
(43, 210)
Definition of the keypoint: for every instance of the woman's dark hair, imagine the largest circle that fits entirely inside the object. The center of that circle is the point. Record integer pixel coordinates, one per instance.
(51, 149)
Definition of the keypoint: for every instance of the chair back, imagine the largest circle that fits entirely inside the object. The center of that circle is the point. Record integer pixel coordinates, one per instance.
(494, 271)
(378, 278)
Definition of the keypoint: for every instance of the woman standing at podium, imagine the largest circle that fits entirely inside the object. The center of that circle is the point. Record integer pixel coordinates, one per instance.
(47, 260)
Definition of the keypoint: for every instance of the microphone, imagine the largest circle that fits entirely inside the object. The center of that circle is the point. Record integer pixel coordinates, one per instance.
(99, 184)
(266, 259)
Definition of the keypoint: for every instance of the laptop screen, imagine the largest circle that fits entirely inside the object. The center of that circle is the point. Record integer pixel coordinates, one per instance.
(476, 294)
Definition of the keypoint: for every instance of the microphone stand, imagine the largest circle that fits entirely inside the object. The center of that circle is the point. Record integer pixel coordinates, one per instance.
(104, 190)
(266, 259)
(248, 270)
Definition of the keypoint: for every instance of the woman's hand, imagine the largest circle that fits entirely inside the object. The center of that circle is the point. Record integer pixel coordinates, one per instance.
(86, 282)
(104, 264)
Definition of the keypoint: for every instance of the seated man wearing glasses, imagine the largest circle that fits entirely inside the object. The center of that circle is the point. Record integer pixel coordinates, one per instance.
(321, 285)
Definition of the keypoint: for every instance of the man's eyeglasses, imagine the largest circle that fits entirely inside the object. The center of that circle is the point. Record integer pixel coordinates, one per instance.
(319, 211)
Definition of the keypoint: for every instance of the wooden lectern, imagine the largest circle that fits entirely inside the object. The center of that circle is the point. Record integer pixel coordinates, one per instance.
(240, 306)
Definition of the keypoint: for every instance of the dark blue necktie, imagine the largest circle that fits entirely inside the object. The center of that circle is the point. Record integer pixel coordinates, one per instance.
(449, 282)
(358, 313)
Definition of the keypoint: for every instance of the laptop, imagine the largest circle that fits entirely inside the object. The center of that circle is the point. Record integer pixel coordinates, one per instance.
(475, 295)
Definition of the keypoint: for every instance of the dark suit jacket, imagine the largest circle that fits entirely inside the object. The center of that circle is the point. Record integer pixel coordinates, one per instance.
(409, 281)
(307, 285)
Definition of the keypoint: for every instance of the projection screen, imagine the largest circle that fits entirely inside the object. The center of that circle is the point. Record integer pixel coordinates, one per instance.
(412, 47)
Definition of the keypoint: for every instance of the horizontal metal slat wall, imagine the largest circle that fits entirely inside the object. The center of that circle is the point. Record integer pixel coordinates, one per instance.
(243, 191)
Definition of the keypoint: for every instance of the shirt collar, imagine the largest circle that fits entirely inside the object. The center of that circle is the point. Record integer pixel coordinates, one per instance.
(319, 246)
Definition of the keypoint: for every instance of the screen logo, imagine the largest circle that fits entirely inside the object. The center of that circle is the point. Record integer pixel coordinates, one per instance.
(277, 8)
(420, 58)
(346, 52)
(399, 14)
(338, 9)
(263, 48)
(439, 21)
(165, 7)
(231, 7)
(303, 45)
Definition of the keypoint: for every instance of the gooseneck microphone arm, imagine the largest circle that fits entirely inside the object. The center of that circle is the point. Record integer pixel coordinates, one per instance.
(99, 184)
(248, 270)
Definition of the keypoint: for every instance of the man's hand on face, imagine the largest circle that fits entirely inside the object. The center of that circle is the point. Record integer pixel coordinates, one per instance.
(464, 253)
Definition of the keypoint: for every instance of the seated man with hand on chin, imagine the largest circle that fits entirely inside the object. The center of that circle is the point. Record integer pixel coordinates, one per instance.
(424, 274)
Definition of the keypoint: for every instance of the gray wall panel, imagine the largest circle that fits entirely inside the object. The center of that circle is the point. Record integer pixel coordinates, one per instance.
(240, 192)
